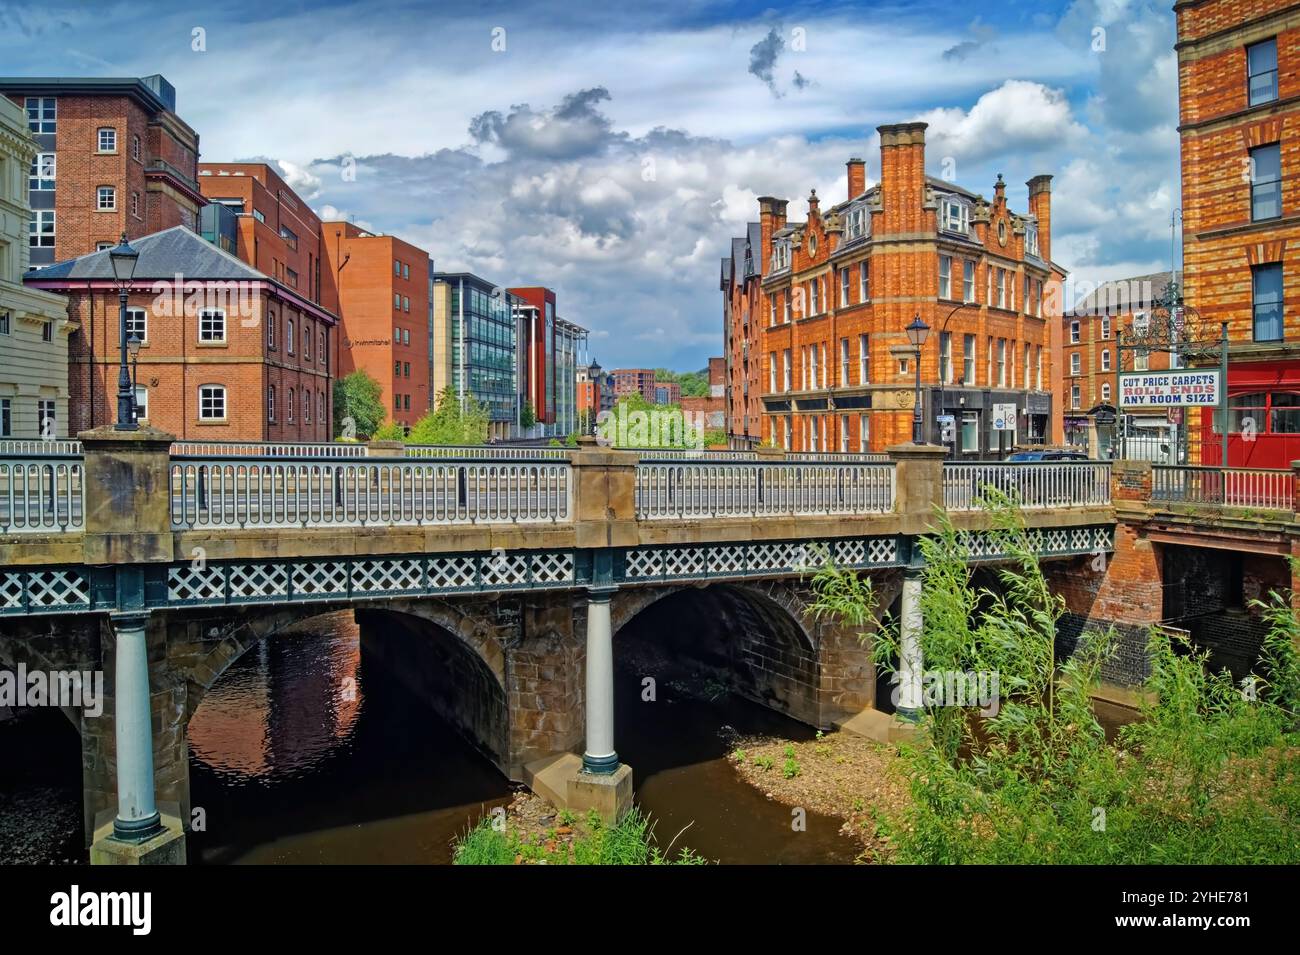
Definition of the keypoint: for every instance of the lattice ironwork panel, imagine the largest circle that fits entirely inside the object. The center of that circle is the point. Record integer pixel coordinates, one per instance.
(48, 589)
(255, 581)
(1104, 538)
(1055, 541)
(686, 562)
(644, 563)
(505, 570)
(324, 578)
(727, 560)
(387, 576)
(553, 568)
(452, 573)
(11, 591)
(851, 553)
(1081, 538)
(883, 550)
(191, 583)
(774, 558)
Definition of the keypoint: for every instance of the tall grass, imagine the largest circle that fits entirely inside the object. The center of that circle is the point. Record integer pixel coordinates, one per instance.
(630, 841)
(1211, 774)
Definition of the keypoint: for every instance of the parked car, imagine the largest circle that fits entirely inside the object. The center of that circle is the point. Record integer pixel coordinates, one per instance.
(1049, 454)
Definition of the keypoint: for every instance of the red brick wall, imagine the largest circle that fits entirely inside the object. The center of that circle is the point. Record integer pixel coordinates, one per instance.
(366, 286)
(173, 364)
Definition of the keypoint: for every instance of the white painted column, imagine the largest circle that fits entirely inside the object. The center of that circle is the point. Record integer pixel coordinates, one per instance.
(910, 663)
(598, 755)
(137, 816)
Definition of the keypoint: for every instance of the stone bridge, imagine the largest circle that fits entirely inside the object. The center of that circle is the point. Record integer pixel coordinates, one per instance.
(160, 563)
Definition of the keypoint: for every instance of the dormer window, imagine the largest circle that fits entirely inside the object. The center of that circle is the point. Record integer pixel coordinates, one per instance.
(954, 215)
(1031, 240)
(857, 223)
(781, 255)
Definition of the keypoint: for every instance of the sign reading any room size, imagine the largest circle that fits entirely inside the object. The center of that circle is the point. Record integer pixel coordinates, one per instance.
(1169, 389)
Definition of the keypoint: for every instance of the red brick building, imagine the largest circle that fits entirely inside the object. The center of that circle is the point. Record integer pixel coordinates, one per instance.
(1239, 119)
(741, 284)
(840, 288)
(278, 234)
(639, 381)
(382, 285)
(228, 353)
(1091, 360)
(114, 157)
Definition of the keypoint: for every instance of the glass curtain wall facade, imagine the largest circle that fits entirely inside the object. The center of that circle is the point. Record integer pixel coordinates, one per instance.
(483, 345)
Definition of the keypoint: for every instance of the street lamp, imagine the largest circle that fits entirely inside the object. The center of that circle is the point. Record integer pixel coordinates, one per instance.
(133, 346)
(123, 258)
(916, 334)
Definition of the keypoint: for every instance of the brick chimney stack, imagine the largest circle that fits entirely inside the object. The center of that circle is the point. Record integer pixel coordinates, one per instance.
(1040, 207)
(771, 218)
(857, 177)
(902, 177)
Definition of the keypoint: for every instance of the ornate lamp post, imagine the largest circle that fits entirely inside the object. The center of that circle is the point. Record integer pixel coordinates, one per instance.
(916, 334)
(123, 258)
(133, 347)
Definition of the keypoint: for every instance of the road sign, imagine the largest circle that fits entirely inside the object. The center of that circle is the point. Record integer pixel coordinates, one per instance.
(947, 428)
(1004, 417)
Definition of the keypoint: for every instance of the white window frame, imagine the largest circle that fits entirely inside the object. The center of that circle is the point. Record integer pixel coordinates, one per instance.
(1105, 392)
(136, 316)
(47, 114)
(844, 362)
(1105, 359)
(967, 281)
(106, 134)
(864, 432)
(864, 359)
(210, 396)
(141, 403)
(945, 276)
(44, 174)
(864, 281)
(105, 192)
(771, 372)
(290, 398)
(954, 215)
(945, 357)
(787, 374)
(1074, 332)
(845, 281)
(288, 336)
(208, 325)
(968, 360)
(1076, 363)
(270, 403)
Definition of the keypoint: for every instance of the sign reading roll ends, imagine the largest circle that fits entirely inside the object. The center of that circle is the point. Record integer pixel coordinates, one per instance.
(1185, 388)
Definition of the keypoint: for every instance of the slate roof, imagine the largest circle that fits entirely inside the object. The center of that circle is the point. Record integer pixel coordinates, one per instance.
(162, 256)
(1125, 295)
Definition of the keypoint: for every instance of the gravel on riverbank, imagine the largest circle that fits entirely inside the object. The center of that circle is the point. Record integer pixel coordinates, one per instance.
(839, 774)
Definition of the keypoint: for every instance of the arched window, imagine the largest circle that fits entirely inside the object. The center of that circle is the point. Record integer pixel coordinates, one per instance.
(270, 403)
(291, 406)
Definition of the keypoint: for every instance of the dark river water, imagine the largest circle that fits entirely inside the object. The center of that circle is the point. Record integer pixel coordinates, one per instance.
(302, 754)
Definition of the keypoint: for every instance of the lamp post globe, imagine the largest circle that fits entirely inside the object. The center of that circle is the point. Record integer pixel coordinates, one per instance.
(123, 259)
(917, 332)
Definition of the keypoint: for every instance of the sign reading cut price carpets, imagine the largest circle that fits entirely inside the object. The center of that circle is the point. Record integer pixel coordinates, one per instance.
(1191, 388)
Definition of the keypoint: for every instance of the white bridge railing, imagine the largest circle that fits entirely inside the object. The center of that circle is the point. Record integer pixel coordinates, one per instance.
(1030, 483)
(487, 452)
(41, 494)
(258, 449)
(752, 489)
(227, 493)
(1229, 487)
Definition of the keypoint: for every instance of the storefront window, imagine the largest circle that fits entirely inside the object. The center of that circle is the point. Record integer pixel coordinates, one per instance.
(970, 432)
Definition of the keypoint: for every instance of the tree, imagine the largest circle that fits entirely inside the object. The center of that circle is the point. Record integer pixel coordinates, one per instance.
(452, 423)
(695, 384)
(358, 406)
(527, 415)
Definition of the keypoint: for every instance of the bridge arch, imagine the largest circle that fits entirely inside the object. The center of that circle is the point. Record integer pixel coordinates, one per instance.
(755, 637)
(443, 653)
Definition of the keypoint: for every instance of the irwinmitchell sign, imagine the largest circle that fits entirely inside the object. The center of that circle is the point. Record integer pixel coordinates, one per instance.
(1169, 389)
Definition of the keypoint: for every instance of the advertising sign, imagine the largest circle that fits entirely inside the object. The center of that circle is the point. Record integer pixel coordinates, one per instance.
(1197, 388)
(1004, 417)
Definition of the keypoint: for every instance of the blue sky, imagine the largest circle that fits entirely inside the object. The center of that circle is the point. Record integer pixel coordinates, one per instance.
(610, 150)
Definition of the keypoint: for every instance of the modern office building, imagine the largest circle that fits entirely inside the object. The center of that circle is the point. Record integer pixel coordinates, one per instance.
(381, 285)
(34, 325)
(114, 157)
(475, 342)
